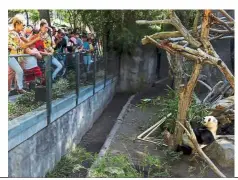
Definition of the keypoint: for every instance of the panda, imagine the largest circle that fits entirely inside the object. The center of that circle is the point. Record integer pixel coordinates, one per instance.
(205, 135)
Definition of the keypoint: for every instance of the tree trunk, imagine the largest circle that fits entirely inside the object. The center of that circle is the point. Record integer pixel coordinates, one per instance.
(175, 63)
(185, 98)
(205, 30)
(27, 18)
(45, 14)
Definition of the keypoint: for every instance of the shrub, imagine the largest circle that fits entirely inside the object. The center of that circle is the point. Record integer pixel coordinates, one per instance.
(169, 104)
(59, 88)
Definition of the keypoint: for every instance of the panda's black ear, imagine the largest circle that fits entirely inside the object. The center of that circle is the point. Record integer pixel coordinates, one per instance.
(209, 119)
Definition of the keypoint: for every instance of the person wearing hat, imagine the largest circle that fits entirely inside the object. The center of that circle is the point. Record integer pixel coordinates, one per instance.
(16, 46)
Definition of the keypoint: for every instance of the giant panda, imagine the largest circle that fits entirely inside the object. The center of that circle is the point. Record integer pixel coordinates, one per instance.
(205, 135)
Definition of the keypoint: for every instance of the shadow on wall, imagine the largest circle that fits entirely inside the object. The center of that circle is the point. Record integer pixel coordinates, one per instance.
(141, 69)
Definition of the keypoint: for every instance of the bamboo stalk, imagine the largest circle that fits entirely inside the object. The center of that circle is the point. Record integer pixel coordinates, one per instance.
(152, 127)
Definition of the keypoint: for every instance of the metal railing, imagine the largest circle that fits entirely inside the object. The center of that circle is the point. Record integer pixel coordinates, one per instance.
(76, 61)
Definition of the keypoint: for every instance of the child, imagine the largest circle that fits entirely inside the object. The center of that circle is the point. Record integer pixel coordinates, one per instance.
(31, 69)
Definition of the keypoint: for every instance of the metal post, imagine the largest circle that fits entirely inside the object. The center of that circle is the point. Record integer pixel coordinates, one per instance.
(48, 87)
(105, 69)
(119, 68)
(94, 74)
(77, 76)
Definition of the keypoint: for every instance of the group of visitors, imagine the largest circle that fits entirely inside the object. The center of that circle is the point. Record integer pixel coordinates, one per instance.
(39, 44)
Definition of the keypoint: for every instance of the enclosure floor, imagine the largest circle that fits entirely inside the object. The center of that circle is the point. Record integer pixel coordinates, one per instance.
(94, 139)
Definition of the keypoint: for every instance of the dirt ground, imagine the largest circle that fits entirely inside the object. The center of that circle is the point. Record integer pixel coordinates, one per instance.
(124, 142)
(94, 139)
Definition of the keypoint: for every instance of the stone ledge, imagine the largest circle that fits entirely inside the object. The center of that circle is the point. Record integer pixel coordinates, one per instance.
(222, 152)
(25, 126)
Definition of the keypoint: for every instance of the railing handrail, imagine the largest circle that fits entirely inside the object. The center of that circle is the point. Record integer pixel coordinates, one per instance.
(79, 61)
(28, 55)
(20, 55)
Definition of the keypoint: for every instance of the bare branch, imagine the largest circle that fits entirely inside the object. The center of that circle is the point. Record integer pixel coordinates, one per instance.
(176, 39)
(220, 31)
(177, 24)
(195, 24)
(181, 48)
(161, 45)
(216, 19)
(221, 36)
(212, 92)
(192, 137)
(226, 15)
(216, 37)
(183, 43)
(185, 129)
(205, 84)
(227, 37)
(201, 153)
(205, 30)
(221, 65)
(165, 21)
(162, 35)
(190, 56)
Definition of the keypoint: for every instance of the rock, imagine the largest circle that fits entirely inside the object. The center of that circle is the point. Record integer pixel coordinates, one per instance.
(115, 171)
(222, 152)
(224, 103)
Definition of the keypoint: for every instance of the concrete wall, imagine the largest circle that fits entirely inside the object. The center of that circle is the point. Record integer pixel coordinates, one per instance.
(35, 148)
(139, 69)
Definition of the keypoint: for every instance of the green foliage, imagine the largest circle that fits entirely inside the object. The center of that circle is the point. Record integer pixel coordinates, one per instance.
(118, 25)
(26, 102)
(71, 163)
(148, 165)
(172, 156)
(154, 166)
(169, 104)
(71, 77)
(27, 99)
(13, 12)
(32, 13)
(118, 161)
(23, 104)
(59, 88)
(187, 17)
(109, 166)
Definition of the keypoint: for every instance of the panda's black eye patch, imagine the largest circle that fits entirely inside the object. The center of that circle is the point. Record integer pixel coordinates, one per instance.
(209, 120)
